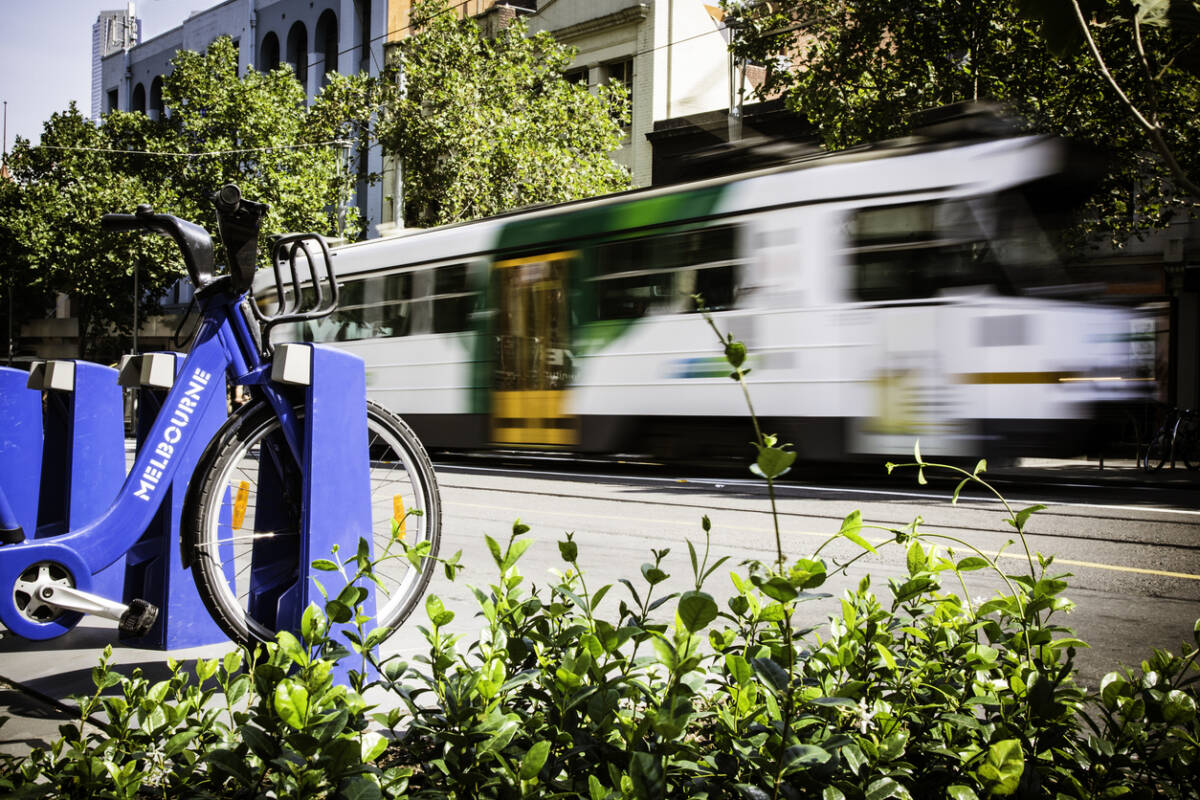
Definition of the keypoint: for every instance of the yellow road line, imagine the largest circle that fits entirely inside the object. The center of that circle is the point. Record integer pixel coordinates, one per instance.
(825, 535)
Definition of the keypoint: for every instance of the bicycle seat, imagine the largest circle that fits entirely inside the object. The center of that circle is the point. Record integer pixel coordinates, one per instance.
(194, 241)
(239, 221)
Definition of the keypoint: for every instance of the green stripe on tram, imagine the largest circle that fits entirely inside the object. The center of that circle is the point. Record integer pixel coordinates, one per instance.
(598, 220)
(570, 229)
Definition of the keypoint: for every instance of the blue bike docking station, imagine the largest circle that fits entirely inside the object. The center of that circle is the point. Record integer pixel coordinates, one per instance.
(20, 454)
(336, 499)
(83, 445)
(154, 568)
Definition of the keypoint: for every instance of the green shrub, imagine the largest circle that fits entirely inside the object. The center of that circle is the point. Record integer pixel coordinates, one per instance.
(629, 691)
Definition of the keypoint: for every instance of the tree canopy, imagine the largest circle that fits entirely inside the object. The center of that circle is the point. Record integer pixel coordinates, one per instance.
(254, 130)
(859, 72)
(486, 125)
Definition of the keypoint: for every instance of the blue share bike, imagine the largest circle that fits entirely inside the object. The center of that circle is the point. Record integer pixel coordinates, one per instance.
(244, 524)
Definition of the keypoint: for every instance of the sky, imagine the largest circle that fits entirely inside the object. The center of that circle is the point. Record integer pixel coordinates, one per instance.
(46, 54)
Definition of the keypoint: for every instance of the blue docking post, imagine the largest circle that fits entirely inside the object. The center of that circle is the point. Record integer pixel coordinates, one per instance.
(337, 489)
(83, 452)
(20, 453)
(153, 567)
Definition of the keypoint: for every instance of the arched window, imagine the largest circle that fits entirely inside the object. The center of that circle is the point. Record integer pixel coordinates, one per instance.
(156, 101)
(138, 103)
(268, 53)
(362, 34)
(297, 52)
(326, 44)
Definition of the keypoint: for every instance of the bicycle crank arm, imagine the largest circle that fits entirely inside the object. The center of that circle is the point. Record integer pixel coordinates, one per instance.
(134, 619)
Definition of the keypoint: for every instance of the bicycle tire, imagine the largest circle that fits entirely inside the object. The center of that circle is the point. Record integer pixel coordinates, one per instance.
(224, 565)
(1187, 442)
(1157, 452)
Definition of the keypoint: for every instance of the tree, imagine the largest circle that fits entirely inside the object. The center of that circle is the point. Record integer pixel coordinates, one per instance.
(254, 130)
(483, 126)
(860, 71)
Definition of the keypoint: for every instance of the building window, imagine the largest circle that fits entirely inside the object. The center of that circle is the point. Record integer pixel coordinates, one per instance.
(327, 44)
(139, 99)
(268, 53)
(112, 99)
(156, 101)
(579, 77)
(297, 52)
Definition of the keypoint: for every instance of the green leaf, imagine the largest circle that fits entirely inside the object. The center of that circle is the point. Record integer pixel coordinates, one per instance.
(568, 550)
(291, 703)
(739, 669)
(179, 741)
(436, 611)
(959, 792)
(358, 788)
(735, 353)
(802, 756)
(885, 655)
(653, 574)
(851, 526)
(776, 588)
(515, 551)
(696, 610)
(534, 760)
(646, 772)
(373, 746)
(772, 462)
(883, 788)
(313, 623)
(917, 559)
(325, 565)
(1024, 514)
(1001, 771)
(1178, 708)
(971, 563)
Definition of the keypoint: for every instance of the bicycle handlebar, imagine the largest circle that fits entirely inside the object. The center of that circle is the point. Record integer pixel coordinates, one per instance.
(194, 241)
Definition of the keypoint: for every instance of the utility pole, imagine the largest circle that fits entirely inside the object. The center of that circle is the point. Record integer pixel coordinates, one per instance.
(4, 171)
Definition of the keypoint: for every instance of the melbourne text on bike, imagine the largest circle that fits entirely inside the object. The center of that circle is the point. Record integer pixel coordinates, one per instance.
(165, 449)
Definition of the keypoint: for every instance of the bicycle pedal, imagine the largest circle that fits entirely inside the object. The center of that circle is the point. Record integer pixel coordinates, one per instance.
(138, 619)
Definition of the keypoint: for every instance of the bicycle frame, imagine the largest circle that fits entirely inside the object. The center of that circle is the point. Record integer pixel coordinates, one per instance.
(223, 346)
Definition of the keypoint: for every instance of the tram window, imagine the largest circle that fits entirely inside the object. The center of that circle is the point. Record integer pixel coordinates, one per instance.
(914, 251)
(658, 274)
(452, 299)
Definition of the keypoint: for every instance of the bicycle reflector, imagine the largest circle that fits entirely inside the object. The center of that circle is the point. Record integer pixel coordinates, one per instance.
(239, 505)
(398, 515)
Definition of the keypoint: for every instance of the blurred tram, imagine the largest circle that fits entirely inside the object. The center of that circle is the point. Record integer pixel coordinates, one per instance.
(885, 294)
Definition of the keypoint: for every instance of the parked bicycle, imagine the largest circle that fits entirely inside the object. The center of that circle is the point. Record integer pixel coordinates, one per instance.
(242, 517)
(1177, 439)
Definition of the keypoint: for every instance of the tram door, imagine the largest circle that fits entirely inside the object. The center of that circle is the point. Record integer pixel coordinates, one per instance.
(533, 361)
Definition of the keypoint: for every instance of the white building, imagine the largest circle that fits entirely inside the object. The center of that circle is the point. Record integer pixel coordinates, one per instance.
(670, 54)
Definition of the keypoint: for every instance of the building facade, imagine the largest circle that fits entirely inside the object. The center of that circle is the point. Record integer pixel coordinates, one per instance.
(114, 31)
(314, 37)
(670, 54)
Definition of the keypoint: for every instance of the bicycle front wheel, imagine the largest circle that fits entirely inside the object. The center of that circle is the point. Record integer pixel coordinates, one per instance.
(1157, 452)
(1187, 442)
(245, 522)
